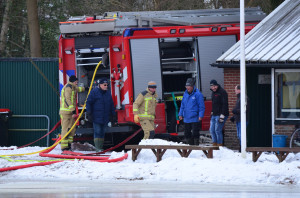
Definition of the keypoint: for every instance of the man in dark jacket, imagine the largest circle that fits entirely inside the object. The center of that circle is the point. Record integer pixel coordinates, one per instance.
(100, 108)
(237, 112)
(219, 113)
(192, 111)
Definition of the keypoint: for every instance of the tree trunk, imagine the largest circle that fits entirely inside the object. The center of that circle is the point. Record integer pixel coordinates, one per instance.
(4, 28)
(34, 29)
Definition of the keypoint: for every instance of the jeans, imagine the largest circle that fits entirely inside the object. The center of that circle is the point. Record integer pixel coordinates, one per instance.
(238, 129)
(99, 130)
(216, 128)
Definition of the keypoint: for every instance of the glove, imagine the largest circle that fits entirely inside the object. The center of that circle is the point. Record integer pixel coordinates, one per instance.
(221, 119)
(136, 119)
(159, 100)
(232, 119)
(89, 116)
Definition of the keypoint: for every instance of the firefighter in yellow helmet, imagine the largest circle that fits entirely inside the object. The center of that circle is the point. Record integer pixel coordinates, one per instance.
(144, 110)
(68, 111)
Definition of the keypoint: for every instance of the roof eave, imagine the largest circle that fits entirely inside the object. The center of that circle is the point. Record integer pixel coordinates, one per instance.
(255, 65)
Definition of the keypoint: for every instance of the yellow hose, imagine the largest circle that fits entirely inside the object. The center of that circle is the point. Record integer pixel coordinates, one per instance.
(56, 143)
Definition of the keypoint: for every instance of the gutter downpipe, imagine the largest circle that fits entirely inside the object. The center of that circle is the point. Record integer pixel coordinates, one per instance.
(273, 101)
(243, 78)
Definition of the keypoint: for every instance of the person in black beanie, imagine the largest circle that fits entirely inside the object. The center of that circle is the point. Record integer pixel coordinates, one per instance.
(68, 111)
(219, 113)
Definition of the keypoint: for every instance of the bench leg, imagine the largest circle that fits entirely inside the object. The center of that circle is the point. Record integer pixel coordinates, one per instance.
(135, 153)
(256, 155)
(281, 155)
(159, 153)
(184, 152)
(208, 153)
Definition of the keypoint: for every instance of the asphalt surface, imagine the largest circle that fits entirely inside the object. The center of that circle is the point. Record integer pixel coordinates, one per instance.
(64, 189)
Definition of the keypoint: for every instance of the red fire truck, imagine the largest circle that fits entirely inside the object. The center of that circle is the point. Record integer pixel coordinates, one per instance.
(136, 47)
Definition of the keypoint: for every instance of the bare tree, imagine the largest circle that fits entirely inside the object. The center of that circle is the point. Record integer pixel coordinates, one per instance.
(34, 28)
(4, 28)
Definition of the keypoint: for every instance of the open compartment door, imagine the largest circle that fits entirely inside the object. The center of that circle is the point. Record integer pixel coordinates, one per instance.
(146, 64)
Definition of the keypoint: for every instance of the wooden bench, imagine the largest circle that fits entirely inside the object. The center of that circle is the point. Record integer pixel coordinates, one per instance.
(159, 150)
(280, 152)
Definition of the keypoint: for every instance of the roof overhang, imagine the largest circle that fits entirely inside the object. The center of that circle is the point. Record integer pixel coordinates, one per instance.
(255, 65)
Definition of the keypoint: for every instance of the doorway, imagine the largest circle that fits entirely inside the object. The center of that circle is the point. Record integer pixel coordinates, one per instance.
(259, 130)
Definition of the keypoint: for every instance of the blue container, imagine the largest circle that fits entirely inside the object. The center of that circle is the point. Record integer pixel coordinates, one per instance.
(279, 140)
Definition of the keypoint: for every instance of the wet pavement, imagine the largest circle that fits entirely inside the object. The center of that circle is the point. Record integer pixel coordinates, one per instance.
(65, 189)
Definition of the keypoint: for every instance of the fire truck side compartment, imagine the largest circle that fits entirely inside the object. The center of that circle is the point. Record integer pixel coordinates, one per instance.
(145, 64)
(210, 48)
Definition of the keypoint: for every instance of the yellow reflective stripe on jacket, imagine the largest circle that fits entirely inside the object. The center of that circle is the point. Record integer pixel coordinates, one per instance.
(135, 109)
(62, 99)
(64, 109)
(146, 116)
(72, 98)
(146, 104)
(80, 89)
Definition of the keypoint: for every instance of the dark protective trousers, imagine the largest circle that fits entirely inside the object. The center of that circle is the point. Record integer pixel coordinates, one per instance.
(191, 130)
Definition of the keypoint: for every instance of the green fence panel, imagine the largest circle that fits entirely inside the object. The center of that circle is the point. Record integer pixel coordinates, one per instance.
(30, 87)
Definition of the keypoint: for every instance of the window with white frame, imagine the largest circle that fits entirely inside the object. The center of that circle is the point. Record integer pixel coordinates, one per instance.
(287, 94)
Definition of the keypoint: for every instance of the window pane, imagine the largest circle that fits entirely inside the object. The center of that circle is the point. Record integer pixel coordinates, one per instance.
(288, 94)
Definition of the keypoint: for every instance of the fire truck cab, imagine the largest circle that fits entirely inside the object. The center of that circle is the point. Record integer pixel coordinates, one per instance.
(162, 46)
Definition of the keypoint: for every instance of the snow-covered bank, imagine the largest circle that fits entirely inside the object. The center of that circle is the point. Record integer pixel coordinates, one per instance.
(227, 167)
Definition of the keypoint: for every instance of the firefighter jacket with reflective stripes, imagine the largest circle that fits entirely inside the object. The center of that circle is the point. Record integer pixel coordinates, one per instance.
(68, 98)
(144, 105)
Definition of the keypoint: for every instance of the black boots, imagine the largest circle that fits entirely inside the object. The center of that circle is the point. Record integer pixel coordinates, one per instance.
(189, 141)
(192, 141)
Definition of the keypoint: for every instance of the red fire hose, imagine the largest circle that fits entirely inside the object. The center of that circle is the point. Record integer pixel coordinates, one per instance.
(74, 155)
(52, 162)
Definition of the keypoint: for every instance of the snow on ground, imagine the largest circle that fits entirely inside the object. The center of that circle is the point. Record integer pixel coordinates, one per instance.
(227, 167)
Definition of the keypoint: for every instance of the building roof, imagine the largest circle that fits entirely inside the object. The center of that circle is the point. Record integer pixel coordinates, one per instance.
(275, 40)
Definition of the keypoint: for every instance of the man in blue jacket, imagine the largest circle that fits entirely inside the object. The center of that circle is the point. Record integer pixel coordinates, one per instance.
(100, 108)
(192, 111)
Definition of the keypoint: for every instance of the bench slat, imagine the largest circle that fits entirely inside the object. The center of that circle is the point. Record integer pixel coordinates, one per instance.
(172, 147)
(265, 149)
(159, 150)
(280, 152)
